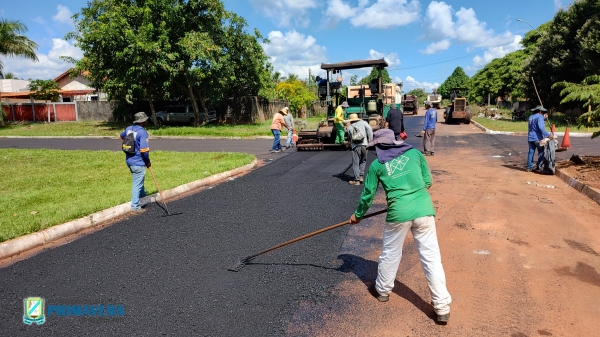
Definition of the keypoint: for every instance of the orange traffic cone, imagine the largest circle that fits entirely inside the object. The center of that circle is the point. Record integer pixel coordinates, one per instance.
(553, 128)
(566, 143)
(294, 136)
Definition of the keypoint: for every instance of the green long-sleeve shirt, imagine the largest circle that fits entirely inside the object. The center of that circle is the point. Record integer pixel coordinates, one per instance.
(405, 180)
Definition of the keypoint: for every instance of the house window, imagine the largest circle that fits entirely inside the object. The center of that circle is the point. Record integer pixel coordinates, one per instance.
(93, 98)
(66, 99)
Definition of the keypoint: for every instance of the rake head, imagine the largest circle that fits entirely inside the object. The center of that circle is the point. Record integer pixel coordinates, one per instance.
(239, 265)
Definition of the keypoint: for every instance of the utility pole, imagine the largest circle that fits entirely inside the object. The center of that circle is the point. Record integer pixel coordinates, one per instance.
(309, 77)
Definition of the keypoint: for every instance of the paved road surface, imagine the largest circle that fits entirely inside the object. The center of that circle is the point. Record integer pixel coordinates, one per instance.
(169, 273)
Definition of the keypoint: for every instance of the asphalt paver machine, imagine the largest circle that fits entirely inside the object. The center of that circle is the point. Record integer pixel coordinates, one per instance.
(368, 107)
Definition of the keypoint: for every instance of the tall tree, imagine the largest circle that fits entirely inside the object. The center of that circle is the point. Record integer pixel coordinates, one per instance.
(567, 50)
(385, 76)
(458, 79)
(501, 78)
(13, 43)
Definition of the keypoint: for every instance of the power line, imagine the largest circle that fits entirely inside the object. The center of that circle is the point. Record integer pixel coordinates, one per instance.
(448, 60)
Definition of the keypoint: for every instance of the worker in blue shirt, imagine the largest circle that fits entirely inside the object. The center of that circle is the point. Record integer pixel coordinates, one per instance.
(429, 129)
(138, 162)
(537, 132)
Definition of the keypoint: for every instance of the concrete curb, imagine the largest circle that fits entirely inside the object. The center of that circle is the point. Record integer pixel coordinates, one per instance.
(33, 240)
(579, 186)
(492, 132)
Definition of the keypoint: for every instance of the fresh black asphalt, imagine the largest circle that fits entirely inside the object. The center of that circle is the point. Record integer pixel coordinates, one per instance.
(170, 273)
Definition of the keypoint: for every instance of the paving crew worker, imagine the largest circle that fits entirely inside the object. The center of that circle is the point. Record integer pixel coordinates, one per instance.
(276, 125)
(138, 162)
(537, 132)
(429, 129)
(405, 177)
(359, 146)
(338, 122)
(395, 120)
(289, 121)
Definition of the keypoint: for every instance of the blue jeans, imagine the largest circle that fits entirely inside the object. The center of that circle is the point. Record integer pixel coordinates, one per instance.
(277, 140)
(137, 185)
(532, 147)
(290, 133)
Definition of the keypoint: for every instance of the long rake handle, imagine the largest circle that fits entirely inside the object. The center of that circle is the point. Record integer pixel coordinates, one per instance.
(347, 222)
(159, 191)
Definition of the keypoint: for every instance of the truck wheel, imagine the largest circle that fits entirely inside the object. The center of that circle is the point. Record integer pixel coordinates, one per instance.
(160, 122)
(192, 120)
(468, 117)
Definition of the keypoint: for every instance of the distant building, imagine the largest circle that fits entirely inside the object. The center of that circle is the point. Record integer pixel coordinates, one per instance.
(70, 89)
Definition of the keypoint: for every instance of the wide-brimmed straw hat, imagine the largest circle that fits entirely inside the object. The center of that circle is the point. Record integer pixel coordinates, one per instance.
(384, 136)
(353, 118)
(284, 111)
(140, 117)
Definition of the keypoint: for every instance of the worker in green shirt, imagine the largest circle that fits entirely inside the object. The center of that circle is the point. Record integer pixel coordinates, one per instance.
(338, 122)
(405, 177)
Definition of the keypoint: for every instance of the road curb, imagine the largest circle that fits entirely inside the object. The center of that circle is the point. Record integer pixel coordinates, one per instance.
(579, 186)
(29, 241)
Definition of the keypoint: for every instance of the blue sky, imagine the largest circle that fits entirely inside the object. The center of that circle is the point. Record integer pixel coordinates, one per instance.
(423, 41)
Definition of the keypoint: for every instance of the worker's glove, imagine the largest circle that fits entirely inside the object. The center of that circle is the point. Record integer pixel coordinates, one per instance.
(422, 132)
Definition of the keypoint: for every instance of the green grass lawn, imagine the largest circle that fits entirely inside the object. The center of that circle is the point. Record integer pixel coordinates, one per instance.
(41, 188)
(521, 126)
(108, 129)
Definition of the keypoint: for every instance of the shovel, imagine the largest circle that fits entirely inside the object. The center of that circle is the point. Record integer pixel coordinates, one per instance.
(240, 264)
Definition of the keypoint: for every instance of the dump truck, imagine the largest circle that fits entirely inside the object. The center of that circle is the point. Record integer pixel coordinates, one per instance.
(410, 104)
(458, 110)
(370, 108)
(436, 100)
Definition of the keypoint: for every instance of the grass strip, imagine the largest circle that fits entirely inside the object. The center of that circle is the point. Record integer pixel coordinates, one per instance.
(40, 188)
(112, 129)
(522, 126)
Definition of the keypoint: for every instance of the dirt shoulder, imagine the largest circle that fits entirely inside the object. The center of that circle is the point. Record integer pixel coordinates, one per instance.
(520, 251)
(587, 172)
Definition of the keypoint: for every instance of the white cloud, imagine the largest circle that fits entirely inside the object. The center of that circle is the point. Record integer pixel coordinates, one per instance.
(295, 53)
(63, 15)
(438, 24)
(392, 59)
(387, 14)
(497, 52)
(48, 67)
(466, 28)
(411, 83)
(338, 10)
(381, 14)
(557, 5)
(435, 47)
(286, 13)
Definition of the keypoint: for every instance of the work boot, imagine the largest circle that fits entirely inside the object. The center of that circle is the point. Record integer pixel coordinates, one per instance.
(138, 211)
(362, 180)
(443, 318)
(377, 295)
(354, 182)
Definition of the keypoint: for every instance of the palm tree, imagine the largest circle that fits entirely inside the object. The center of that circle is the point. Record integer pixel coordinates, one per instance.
(12, 43)
(589, 93)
